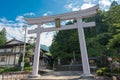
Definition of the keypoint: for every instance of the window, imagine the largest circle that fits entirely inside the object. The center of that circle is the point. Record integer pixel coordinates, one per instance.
(8, 50)
(1, 50)
(17, 49)
(21, 49)
(2, 59)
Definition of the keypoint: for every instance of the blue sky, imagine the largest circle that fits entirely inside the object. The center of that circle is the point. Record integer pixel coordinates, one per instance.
(13, 12)
(13, 8)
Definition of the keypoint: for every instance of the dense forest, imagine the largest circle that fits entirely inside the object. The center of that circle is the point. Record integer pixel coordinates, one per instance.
(102, 41)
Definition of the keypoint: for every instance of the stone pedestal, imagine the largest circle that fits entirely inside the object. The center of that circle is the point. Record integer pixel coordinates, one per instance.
(87, 77)
(33, 76)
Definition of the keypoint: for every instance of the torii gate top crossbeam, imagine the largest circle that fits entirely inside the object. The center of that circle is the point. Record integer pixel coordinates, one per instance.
(71, 15)
(74, 26)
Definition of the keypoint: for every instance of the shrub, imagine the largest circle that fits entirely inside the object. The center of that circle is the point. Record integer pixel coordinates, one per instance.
(6, 69)
(116, 71)
(27, 62)
(103, 72)
(1, 70)
(27, 68)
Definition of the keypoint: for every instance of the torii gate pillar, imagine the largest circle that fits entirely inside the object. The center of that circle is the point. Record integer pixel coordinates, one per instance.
(84, 56)
(36, 55)
(78, 15)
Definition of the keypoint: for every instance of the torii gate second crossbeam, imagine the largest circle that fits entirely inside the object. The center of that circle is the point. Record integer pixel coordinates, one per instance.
(77, 15)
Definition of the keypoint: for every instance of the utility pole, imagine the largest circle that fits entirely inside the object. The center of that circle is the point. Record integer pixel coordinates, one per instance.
(24, 50)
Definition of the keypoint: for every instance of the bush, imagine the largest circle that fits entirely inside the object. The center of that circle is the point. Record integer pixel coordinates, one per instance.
(27, 62)
(1, 69)
(103, 72)
(116, 71)
(28, 69)
(6, 69)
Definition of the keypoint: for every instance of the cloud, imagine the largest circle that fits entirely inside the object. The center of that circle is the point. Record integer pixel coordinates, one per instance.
(14, 29)
(20, 19)
(29, 14)
(73, 5)
(86, 5)
(14, 33)
(3, 20)
(104, 4)
(77, 5)
(47, 13)
(47, 37)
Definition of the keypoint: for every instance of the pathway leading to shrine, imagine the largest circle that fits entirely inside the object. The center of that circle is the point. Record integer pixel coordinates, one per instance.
(60, 75)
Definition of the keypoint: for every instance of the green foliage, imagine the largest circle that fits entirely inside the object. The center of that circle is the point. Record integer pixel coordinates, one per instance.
(20, 59)
(116, 71)
(64, 43)
(114, 42)
(107, 72)
(113, 16)
(103, 72)
(113, 19)
(48, 54)
(11, 69)
(1, 70)
(28, 69)
(2, 38)
(27, 62)
(102, 40)
(29, 50)
(114, 3)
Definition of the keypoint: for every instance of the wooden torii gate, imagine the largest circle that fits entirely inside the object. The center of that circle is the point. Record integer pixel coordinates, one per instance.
(77, 15)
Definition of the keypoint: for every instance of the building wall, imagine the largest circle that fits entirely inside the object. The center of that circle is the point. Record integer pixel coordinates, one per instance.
(9, 60)
(2, 60)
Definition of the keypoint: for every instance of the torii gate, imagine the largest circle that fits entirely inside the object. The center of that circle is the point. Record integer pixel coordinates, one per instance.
(77, 15)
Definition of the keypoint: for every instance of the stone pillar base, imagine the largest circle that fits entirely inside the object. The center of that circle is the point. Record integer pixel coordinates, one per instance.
(87, 77)
(34, 76)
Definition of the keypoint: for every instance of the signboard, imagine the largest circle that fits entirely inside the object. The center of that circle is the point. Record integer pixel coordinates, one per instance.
(57, 22)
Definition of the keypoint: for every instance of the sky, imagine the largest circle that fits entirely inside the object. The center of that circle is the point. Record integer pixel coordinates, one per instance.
(13, 12)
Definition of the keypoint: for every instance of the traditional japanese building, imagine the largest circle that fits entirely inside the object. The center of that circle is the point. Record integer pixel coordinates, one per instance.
(10, 53)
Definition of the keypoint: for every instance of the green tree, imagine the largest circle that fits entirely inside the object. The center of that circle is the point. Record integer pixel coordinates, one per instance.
(114, 3)
(64, 43)
(3, 36)
(113, 19)
(97, 38)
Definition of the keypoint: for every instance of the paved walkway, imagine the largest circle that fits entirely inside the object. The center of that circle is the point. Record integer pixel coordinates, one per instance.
(60, 75)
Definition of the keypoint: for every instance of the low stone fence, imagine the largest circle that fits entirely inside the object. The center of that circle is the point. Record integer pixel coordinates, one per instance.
(15, 75)
(77, 67)
(68, 67)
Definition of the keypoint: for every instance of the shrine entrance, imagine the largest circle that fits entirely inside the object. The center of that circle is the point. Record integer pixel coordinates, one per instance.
(78, 16)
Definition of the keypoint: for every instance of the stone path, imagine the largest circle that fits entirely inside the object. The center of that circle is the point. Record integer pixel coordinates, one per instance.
(60, 75)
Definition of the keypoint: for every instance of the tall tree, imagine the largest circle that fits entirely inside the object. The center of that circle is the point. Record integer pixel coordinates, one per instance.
(64, 44)
(3, 36)
(114, 3)
(113, 19)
